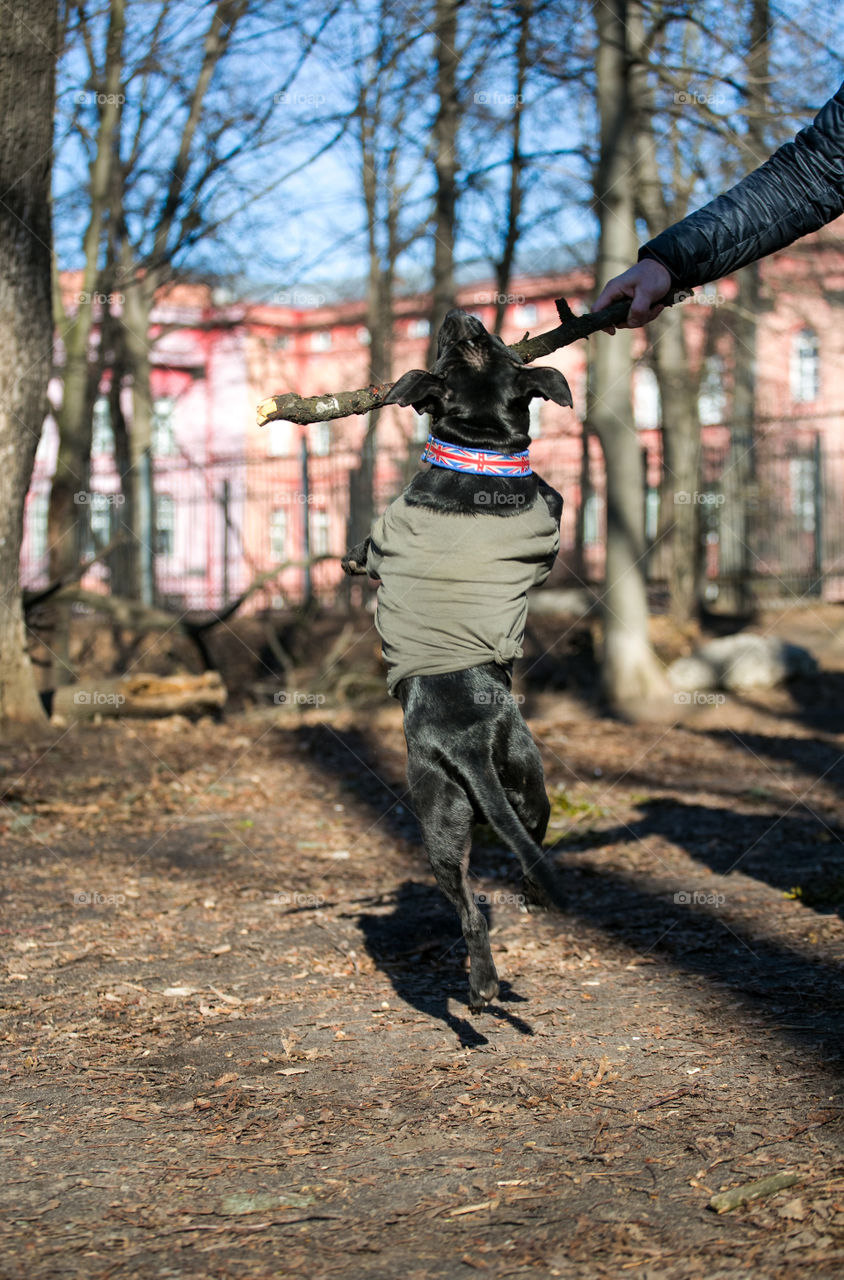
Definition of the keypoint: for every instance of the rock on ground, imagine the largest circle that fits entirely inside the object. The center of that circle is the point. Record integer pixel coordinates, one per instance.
(741, 663)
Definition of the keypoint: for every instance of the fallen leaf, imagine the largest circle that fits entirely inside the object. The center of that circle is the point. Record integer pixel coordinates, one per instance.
(794, 1209)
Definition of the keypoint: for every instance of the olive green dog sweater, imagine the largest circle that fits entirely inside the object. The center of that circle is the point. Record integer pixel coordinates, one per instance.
(453, 587)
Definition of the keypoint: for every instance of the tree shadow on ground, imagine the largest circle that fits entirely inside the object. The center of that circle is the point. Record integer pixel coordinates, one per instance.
(353, 761)
(817, 759)
(796, 849)
(819, 700)
(800, 996)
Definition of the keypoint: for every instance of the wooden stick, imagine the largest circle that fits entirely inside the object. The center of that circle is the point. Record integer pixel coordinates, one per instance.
(341, 404)
(728, 1200)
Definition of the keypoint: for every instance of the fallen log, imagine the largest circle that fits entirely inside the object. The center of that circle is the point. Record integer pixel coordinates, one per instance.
(141, 694)
(340, 404)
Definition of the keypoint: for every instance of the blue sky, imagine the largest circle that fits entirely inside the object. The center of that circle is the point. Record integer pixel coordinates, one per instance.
(307, 229)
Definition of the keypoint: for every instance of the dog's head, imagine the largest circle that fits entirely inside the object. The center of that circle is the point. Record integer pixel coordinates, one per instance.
(478, 393)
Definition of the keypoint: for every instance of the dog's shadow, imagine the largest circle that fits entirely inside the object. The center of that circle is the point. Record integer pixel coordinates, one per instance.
(416, 946)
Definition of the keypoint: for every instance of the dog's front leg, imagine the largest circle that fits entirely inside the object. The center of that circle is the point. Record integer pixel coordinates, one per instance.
(354, 561)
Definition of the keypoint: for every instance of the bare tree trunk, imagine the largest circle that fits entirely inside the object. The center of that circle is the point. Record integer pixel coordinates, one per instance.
(121, 561)
(175, 218)
(445, 162)
(79, 379)
(586, 492)
(512, 228)
(736, 565)
(631, 675)
(137, 308)
(27, 98)
(679, 525)
(678, 534)
(378, 182)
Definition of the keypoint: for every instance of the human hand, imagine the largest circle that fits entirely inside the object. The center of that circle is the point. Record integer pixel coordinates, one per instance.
(645, 283)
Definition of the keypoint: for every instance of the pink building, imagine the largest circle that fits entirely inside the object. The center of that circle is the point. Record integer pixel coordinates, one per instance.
(233, 499)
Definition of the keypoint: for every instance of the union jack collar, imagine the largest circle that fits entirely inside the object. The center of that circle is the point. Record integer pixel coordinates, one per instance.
(476, 462)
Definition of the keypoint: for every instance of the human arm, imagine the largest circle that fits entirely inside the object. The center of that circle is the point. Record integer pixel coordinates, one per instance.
(799, 189)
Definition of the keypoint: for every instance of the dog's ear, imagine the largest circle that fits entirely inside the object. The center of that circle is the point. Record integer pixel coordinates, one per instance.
(417, 387)
(548, 383)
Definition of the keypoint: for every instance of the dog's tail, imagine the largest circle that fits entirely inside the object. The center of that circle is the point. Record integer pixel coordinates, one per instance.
(491, 800)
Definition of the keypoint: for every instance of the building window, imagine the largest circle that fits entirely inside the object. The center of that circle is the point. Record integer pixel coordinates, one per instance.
(805, 367)
(535, 418)
(37, 527)
(803, 486)
(651, 514)
(525, 314)
(165, 524)
(280, 438)
(593, 510)
(98, 528)
(278, 535)
(647, 409)
(320, 438)
(419, 328)
(421, 427)
(320, 541)
(163, 427)
(712, 398)
(101, 436)
(321, 340)
(101, 512)
(363, 336)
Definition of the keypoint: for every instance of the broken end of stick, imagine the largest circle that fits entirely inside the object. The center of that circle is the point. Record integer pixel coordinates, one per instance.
(564, 311)
(266, 411)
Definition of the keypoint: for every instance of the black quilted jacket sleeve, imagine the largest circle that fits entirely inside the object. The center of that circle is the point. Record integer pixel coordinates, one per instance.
(798, 190)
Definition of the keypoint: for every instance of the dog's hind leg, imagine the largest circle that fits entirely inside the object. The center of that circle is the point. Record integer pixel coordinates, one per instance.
(446, 817)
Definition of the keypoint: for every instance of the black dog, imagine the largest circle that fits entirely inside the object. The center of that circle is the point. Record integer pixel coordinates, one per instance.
(455, 555)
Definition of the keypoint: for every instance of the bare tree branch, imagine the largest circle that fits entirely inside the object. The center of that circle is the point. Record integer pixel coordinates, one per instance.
(40, 594)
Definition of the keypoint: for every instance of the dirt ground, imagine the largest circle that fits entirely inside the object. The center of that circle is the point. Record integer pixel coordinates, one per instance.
(236, 1041)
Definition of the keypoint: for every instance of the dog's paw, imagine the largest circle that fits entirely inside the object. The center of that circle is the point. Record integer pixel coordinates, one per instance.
(479, 997)
(354, 561)
(536, 898)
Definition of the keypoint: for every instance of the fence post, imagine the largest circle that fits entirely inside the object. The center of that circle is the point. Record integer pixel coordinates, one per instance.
(818, 501)
(146, 529)
(306, 516)
(224, 500)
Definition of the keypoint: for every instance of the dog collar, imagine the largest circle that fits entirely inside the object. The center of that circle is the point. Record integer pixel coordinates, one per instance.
(476, 462)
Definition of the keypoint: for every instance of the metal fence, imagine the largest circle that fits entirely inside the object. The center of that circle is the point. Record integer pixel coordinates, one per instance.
(218, 525)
